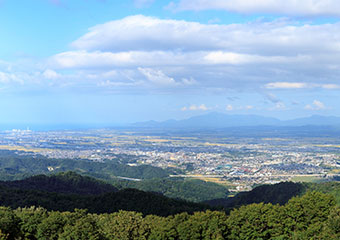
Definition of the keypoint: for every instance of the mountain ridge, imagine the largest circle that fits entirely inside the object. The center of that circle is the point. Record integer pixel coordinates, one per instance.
(221, 120)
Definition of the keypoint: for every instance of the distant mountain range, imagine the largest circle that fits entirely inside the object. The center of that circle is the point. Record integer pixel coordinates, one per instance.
(220, 120)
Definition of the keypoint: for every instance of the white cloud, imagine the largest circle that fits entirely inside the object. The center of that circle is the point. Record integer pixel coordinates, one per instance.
(158, 77)
(146, 33)
(287, 85)
(9, 78)
(279, 106)
(229, 107)
(109, 83)
(194, 107)
(189, 81)
(97, 59)
(316, 105)
(299, 85)
(226, 58)
(50, 74)
(170, 54)
(285, 7)
(330, 86)
(142, 33)
(83, 59)
(248, 107)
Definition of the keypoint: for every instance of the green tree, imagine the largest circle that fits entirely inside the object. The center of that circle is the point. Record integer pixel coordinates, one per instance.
(304, 216)
(52, 226)
(9, 224)
(30, 219)
(255, 221)
(331, 228)
(165, 228)
(204, 225)
(84, 228)
(123, 225)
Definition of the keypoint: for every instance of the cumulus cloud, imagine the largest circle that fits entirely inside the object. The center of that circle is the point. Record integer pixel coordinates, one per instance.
(98, 59)
(83, 59)
(316, 105)
(285, 7)
(158, 77)
(15, 80)
(6, 77)
(229, 107)
(50, 74)
(143, 33)
(279, 106)
(189, 81)
(176, 53)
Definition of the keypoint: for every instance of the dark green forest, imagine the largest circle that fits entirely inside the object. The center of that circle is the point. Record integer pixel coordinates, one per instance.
(189, 189)
(312, 216)
(14, 167)
(67, 191)
(73, 205)
(154, 179)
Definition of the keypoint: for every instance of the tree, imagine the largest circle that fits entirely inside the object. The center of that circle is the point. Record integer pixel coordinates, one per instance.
(52, 226)
(255, 221)
(204, 225)
(123, 225)
(9, 224)
(30, 219)
(83, 228)
(307, 213)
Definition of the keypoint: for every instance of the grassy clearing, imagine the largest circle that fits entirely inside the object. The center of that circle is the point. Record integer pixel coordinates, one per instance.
(306, 179)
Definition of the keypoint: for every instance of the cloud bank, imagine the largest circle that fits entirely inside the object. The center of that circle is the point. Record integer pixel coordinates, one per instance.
(146, 54)
(165, 52)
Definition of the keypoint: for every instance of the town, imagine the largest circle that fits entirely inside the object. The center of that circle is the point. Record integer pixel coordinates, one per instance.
(239, 162)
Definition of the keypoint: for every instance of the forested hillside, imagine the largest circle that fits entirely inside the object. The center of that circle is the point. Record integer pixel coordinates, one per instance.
(276, 194)
(45, 207)
(67, 191)
(279, 193)
(189, 189)
(64, 182)
(154, 179)
(312, 216)
(15, 167)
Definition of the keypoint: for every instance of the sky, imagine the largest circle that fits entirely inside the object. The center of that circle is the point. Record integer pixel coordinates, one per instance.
(112, 62)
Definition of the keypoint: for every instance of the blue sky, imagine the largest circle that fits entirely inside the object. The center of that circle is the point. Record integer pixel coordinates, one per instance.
(112, 61)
